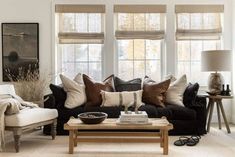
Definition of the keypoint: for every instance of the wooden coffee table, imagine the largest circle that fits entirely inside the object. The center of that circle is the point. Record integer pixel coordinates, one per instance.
(110, 130)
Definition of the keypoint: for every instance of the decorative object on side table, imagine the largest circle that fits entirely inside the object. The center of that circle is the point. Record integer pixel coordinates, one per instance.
(225, 92)
(216, 60)
(92, 117)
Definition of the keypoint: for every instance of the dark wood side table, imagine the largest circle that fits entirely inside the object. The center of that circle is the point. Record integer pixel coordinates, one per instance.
(217, 99)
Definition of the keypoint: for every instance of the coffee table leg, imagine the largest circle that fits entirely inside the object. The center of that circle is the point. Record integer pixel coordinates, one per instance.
(71, 141)
(161, 138)
(165, 142)
(75, 138)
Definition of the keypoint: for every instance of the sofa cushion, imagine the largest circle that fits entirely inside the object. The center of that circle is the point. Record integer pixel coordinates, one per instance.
(59, 93)
(66, 113)
(131, 85)
(151, 110)
(190, 94)
(30, 116)
(94, 88)
(181, 113)
(153, 92)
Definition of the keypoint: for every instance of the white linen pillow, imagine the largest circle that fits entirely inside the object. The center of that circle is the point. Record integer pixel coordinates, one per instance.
(125, 98)
(174, 94)
(78, 78)
(76, 95)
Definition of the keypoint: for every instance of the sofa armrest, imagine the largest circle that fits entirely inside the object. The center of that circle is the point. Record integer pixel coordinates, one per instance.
(199, 106)
(49, 101)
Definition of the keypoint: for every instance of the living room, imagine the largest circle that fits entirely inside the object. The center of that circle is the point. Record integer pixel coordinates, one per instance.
(78, 42)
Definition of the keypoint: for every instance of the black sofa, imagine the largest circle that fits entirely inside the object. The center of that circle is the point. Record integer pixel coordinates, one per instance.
(190, 120)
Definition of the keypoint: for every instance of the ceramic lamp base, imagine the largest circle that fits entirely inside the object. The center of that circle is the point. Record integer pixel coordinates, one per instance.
(215, 83)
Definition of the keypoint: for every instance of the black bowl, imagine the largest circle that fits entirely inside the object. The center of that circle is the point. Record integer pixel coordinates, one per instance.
(92, 117)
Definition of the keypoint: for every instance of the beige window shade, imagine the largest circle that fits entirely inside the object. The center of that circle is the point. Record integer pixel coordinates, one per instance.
(199, 8)
(140, 22)
(198, 22)
(68, 8)
(210, 34)
(150, 35)
(81, 38)
(140, 8)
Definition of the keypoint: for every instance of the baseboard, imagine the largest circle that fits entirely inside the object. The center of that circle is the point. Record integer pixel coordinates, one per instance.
(229, 118)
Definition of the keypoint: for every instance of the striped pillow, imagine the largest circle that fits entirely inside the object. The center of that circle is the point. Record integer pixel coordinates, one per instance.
(126, 98)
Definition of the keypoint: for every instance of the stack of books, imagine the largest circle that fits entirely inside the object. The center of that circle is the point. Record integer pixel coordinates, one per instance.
(133, 118)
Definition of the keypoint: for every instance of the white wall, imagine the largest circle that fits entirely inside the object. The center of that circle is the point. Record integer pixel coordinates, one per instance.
(30, 11)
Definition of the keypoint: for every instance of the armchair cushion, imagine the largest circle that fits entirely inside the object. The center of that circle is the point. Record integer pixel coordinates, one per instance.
(30, 116)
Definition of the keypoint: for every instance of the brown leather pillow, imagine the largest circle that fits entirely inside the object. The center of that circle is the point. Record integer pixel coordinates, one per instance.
(94, 88)
(153, 92)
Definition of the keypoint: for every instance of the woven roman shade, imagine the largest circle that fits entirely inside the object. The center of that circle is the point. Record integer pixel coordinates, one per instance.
(140, 8)
(81, 38)
(143, 32)
(69, 8)
(199, 9)
(150, 35)
(198, 22)
(72, 35)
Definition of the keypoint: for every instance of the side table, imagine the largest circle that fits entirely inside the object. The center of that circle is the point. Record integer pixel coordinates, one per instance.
(217, 99)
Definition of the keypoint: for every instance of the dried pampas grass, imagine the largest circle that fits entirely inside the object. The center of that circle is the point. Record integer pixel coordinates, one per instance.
(29, 84)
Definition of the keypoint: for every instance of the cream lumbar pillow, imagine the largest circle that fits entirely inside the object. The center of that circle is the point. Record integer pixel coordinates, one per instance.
(174, 94)
(125, 98)
(76, 95)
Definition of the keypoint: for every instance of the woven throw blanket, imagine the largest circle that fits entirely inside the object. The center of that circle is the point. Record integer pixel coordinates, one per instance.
(10, 105)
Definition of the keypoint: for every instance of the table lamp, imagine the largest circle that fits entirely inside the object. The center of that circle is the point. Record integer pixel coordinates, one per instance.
(216, 61)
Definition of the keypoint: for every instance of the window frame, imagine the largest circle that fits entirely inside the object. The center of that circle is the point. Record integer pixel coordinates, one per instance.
(59, 52)
(162, 49)
(109, 58)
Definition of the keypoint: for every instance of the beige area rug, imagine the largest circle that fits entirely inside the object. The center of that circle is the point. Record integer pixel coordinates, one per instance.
(215, 144)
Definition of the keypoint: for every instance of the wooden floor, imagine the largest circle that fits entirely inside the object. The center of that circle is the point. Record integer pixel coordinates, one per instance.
(215, 144)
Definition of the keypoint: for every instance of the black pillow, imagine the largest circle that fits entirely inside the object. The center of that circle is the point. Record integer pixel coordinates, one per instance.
(131, 85)
(190, 94)
(59, 93)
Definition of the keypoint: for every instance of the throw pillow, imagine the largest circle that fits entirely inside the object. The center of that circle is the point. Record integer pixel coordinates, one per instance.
(94, 88)
(126, 98)
(59, 93)
(131, 85)
(78, 78)
(76, 95)
(174, 94)
(190, 94)
(170, 76)
(153, 92)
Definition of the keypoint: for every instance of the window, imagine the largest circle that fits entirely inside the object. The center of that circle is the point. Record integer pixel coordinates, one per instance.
(139, 32)
(198, 28)
(80, 39)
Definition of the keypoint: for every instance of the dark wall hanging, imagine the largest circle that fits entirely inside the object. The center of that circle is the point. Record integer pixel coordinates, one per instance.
(20, 49)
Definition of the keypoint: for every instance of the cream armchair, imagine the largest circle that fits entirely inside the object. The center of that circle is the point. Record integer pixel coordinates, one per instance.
(28, 119)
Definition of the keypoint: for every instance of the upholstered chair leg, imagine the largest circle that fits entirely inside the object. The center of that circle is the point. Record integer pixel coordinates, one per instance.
(17, 134)
(53, 129)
